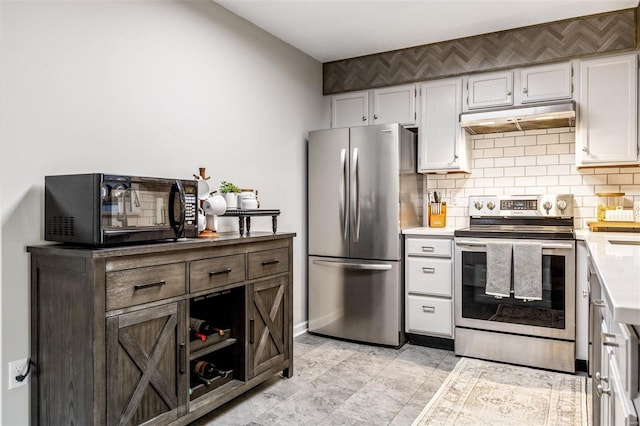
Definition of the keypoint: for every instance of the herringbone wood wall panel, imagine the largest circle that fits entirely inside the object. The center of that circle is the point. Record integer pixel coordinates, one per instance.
(606, 33)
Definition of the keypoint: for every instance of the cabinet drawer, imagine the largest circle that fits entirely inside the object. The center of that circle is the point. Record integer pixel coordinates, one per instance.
(623, 343)
(429, 276)
(141, 285)
(268, 262)
(429, 315)
(428, 247)
(210, 273)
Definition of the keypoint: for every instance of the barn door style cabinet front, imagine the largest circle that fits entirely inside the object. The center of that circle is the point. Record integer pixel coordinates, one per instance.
(110, 328)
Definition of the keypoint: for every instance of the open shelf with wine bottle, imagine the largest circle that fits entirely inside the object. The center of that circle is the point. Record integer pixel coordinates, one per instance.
(216, 330)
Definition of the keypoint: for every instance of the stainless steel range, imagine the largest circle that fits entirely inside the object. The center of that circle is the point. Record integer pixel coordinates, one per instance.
(515, 281)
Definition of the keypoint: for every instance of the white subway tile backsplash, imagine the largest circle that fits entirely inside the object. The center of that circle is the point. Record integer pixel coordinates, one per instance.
(535, 150)
(547, 180)
(535, 171)
(548, 139)
(482, 163)
(514, 171)
(525, 140)
(493, 152)
(547, 159)
(494, 172)
(504, 162)
(621, 179)
(525, 181)
(559, 148)
(534, 162)
(525, 161)
(483, 143)
(502, 142)
(515, 151)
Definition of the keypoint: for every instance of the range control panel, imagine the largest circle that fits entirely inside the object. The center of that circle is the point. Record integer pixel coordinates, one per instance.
(551, 205)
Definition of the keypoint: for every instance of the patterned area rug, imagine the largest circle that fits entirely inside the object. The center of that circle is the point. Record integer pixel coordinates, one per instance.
(488, 393)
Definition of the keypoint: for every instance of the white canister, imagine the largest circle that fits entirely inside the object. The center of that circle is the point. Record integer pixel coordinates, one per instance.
(249, 203)
(636, 211)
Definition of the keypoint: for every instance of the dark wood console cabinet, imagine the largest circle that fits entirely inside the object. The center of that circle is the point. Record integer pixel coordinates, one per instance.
(110, 341)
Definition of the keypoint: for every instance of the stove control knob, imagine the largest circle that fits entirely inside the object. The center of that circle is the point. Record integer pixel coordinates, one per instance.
(491, 205)
(562, 205)
(547, 206)
(478, 205)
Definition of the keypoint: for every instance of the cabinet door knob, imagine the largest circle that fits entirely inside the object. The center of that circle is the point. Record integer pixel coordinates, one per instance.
(524, 90)
(585, 293)
(509, 93)
(375, 116)
(601, 390)
(585, 149)
(364, 118)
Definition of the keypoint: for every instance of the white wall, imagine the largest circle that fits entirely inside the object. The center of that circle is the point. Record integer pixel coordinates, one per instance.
(154, 88)
(533, 162)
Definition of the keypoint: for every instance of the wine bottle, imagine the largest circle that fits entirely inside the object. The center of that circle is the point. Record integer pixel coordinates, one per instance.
(207, 370)
(204, 327)
(194, 335)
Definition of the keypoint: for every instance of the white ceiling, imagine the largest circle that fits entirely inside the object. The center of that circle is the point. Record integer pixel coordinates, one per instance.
(328, 30)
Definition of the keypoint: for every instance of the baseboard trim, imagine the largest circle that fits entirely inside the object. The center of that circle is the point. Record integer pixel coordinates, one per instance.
(300, 329)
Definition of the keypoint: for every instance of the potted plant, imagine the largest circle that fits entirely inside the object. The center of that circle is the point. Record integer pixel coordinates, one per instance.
(229, 192)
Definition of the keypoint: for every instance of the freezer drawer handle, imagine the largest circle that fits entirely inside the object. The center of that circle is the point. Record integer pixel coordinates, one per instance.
(427, 249)
(361, 266)
(429, 270)
(428, 309)
(544, 246)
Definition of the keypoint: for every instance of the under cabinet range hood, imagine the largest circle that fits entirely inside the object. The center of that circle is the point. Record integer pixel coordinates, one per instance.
(502, 120)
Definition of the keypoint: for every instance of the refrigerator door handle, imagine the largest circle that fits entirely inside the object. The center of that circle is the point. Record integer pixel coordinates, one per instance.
(347, 265)
(355, 197)
(343, 195)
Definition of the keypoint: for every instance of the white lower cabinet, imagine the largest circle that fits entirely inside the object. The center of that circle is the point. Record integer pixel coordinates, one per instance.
(428, 279)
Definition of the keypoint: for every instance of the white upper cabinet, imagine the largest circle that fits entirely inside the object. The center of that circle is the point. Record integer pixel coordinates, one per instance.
(607, 124)
(396, 104)
(443, 145)
(546, 82)
(350, 109)
(488, 90)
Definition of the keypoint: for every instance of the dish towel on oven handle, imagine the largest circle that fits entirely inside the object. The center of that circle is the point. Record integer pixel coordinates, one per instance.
(498, 269)
(527, 267)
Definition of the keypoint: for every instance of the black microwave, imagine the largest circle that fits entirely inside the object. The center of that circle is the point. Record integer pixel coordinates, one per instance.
(105, 210)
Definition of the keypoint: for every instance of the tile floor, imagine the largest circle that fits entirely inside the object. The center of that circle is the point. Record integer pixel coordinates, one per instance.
(342, 383)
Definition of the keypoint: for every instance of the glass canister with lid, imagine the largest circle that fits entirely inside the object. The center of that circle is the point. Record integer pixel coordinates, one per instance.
(609, 201)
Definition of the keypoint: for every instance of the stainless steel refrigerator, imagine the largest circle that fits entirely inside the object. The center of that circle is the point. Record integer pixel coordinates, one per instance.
(363, 189)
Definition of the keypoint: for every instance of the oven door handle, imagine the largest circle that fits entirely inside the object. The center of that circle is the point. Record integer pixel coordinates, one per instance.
(544, 246)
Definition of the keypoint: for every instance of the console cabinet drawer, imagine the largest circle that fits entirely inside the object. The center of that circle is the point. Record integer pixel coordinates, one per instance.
(429, 315)
(268, 262)
(429, 276)
(428, 247)
(142, 285)
(218, 271)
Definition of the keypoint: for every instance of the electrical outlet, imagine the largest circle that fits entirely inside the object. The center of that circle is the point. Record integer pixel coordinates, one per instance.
(16, 368)
(453, 198)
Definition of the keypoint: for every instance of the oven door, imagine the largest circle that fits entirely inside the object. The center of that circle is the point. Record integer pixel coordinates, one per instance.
(552, 317)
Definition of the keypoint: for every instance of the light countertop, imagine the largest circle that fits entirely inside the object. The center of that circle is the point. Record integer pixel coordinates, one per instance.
(618, 266)
(426, 231)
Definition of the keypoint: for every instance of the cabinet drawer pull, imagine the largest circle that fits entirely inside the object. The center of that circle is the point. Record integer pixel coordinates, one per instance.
(428, 249)
(220, 272)
(252, 332)
(270, 262)
(143, 286)
(429, 270)
(604, 336)
(428, 309)
(181, 358)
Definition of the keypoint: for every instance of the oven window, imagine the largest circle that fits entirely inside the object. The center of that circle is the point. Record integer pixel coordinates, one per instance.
(548, 312)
